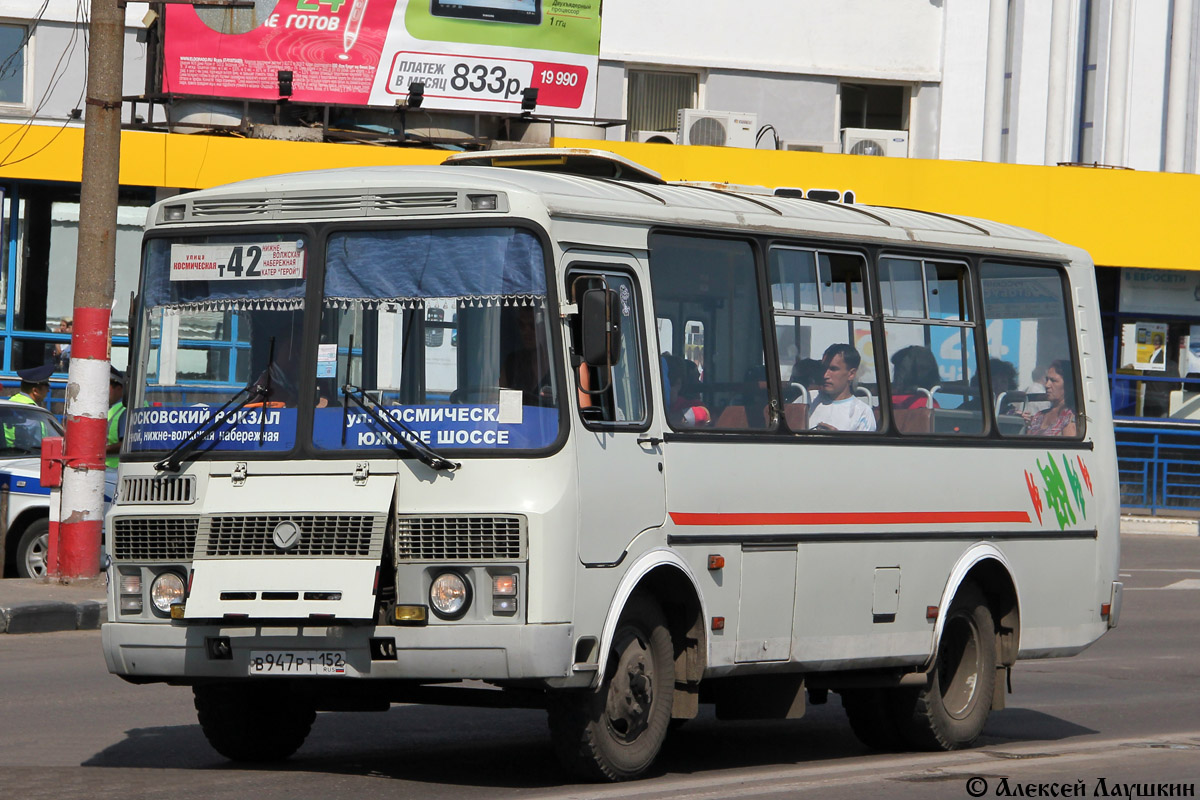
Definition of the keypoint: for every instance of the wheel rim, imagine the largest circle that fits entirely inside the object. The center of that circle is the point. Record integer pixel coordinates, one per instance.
(35, 556)
(959, 662)
(631, 687)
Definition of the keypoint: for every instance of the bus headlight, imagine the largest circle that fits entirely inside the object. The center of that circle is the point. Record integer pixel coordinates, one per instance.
(166, 590)
(450, 595)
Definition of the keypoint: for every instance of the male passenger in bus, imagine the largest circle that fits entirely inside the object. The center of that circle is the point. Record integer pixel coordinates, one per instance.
(836, 407)
(282, 342)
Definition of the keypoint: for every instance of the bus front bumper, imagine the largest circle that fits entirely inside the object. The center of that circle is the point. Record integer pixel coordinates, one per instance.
(182, 652)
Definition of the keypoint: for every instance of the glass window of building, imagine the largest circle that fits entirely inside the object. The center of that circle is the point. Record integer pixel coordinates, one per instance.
(13, 39)
(1155, 366)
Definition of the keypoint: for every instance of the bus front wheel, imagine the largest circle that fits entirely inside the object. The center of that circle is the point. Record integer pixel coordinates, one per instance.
(253, 723)
(950, 711)
(615, 732)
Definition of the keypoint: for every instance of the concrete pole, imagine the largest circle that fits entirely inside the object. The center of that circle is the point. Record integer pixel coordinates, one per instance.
(993, 89)
(87, 378)
(1118, 83)
(1177, 86)
(1056, 94)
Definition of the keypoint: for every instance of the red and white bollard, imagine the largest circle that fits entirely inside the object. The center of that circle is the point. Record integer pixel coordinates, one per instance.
(82, 515)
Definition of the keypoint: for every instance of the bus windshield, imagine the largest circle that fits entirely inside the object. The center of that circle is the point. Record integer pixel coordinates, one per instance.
(447, 330)
(220, 312)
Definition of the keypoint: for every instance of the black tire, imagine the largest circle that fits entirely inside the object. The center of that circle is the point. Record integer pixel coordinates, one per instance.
(253, 723)
(615, 732)
(949, 713)
(872, 717)
(32, 549)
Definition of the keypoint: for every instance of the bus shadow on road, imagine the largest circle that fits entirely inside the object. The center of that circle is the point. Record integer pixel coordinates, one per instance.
(511, 748)
(1025, 725)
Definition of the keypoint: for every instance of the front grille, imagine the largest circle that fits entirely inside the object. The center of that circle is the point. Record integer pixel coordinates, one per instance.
(347, 535)
(154, 489)
(154, 538)
(459, 538)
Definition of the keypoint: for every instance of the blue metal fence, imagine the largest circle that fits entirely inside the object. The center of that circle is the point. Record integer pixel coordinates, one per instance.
(1159, 468)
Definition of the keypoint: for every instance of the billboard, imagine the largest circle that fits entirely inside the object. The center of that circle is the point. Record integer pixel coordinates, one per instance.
(471, 55)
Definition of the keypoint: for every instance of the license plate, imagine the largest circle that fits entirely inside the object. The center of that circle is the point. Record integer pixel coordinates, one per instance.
(298, 662)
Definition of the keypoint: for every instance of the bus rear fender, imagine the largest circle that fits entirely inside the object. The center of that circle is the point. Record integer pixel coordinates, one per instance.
(667, 578)
(988, 568)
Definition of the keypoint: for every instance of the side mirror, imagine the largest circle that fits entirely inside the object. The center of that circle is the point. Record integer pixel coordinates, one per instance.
(600, 327)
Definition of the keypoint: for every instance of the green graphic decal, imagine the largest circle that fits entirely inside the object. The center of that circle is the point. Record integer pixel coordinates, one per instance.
(565, 26)
(1076, 486)
(1057, 498)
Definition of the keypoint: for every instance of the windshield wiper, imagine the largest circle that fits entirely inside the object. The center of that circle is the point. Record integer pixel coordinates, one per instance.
(174, 459)
(258, 390)
(404, 434)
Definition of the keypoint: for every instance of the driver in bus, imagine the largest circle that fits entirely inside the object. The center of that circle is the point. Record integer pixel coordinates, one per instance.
(836, 407)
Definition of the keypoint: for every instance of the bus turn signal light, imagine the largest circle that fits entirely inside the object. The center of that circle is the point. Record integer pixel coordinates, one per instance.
(1105, 610)
(718, 623)
(931, 612)
(716, 562)
(411, 614)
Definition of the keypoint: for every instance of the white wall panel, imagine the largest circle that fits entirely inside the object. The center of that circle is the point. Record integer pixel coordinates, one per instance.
(1148, 86)
(964, 66)
(880, 39)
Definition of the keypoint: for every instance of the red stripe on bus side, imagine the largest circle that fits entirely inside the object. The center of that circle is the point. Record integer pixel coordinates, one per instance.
(852, 518)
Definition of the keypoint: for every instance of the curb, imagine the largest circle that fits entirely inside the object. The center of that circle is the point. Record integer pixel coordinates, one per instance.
(53, 616)
(1160, 526)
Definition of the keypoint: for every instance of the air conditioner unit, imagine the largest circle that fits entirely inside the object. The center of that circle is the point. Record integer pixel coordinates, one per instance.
(716, 128)
(874, 142)
(654, 137)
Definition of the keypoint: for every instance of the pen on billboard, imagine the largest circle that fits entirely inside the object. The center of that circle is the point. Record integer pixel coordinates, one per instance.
(357, 9)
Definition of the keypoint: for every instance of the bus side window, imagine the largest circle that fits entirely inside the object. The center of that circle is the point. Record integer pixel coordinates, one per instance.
(1027, 334)
(611, 395)
(710, 333)
(930, 338)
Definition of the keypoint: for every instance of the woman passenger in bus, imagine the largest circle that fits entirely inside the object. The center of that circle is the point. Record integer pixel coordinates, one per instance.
(914, 369)
(1059, 418)
(685, 408)
(807, 374)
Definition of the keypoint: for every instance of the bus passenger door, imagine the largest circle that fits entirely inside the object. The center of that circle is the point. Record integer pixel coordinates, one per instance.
(618, 442)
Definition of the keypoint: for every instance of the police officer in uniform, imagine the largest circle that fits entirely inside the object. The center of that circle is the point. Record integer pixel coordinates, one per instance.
(35, 385)
(116, 417)
(35, 388)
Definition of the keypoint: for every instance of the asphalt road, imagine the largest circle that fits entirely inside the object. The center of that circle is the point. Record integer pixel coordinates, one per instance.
(1126, 711)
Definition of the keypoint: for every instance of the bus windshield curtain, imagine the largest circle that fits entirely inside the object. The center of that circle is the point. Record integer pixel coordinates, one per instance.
(490, 266)
(224, 295)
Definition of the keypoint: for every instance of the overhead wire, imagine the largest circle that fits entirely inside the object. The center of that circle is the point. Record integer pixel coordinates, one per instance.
(78, 31)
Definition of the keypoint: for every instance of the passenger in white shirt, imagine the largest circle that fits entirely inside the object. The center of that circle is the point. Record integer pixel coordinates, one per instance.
(836, 407)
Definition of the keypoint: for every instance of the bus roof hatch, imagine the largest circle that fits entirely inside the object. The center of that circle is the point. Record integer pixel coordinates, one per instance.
(569, 160)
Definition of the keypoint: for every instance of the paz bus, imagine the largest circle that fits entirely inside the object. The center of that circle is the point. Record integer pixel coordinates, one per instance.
(542, 429)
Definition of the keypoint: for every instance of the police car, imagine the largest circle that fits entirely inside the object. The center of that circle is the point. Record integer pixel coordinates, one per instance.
(24, 503)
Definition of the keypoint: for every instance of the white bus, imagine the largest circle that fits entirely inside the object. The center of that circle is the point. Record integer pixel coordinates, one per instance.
(610, 445)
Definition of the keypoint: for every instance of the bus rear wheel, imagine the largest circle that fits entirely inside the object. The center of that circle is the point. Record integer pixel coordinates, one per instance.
(615, 732)
(950, 711)
(253, 723)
